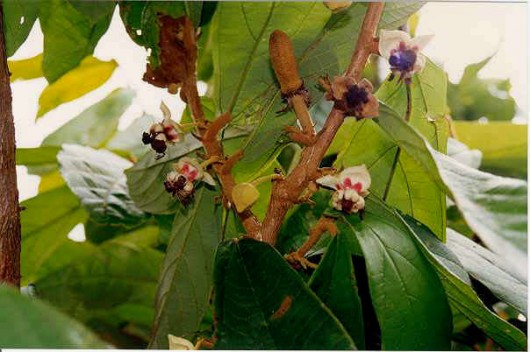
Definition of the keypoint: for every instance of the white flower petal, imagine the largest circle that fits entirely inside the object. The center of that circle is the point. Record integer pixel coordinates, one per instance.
(357, 174)
(208, 179)
(165, 111)
(389, 40)
(421, 41)
(328, 181)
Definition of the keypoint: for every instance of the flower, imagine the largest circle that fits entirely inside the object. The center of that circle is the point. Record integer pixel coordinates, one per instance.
(354, 99)
(351, 186)
(162, 133)
(180, 183)
(403, 53)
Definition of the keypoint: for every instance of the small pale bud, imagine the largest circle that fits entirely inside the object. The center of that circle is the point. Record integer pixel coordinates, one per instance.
(179, 343)
(337, 6)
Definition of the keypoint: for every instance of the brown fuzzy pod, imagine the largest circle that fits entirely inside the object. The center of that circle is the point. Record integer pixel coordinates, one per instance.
(284, 62)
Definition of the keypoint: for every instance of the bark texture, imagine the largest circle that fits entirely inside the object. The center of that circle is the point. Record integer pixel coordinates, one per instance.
(9, 207)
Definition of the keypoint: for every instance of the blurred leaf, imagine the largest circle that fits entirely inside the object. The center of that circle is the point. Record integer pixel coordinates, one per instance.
(261, 303)
(89, 75)
(30, 323)
(50, 181)
(97, 178)
(114, 283)
(18, 17)
(244, 82)
(186, 280)
(25, 69)
(71, 32)
(335, 284)
(504, 145)
(130, 139)
(490, 269)
(45, 157)
(473, 98)
(463, 154)
(458, 289)
(95, 125)
(146, 178)
(46, 222)
(417, 315)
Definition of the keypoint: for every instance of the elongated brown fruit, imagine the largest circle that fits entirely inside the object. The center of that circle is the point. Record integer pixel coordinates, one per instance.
(284, 62)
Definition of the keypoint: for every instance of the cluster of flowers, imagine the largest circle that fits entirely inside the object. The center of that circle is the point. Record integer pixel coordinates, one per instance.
(351, 185)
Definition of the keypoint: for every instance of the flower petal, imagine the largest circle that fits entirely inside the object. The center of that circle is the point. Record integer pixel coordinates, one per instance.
(328, 181)
(389, 40)
(357, 174)
(420, 63)
(208, 179)
(421, 41)
(165, 111)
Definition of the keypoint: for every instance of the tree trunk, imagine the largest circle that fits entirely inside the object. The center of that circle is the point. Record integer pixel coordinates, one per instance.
(9, 207)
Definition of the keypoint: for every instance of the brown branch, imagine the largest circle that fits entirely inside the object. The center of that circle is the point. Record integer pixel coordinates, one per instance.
(323, 225)
(208, 132)
(286, 192)
(9, 207)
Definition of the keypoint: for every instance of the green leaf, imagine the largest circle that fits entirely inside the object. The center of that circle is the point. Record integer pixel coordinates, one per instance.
(473, 97)
(89, 75)
(141, 22)
(261, 303)
(490, 269)
(30, 323)
(458, 289)
(18, 17)
(407, 295)
(42, 235)
(412, 190)
(94, 126)
(44, 158)
(84, 26)
(504, 145)
(106, 284)
(244, 82)
(494, 207)
(146, 178)
(97, 178)
(25, 69)
(335, 284)
(186, 280)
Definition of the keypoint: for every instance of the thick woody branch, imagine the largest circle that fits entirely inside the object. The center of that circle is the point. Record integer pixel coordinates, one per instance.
(286, 192)
(9, 208)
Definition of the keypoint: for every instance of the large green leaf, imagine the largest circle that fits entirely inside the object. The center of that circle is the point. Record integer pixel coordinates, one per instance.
(70, 34)
(335, 284)
(494, 207)
(95, 125)
(412, 190)
(186, 280)
(407, 295)
(146, 178)
(458, 289)
(115, 283)
(507, 156)
(40, 160)
(493, 271)
(18, 17)
(97, 178)
(46, 222)
(29, 323)
(244, 82)
(262, 303)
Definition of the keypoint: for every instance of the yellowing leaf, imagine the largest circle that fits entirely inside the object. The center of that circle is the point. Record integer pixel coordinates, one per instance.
(244, 195)
(89, 75)
(50, 181)
(26, 69)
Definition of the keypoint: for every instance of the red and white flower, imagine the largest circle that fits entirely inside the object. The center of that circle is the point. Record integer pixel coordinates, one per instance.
(181, 182)
(351, 186)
